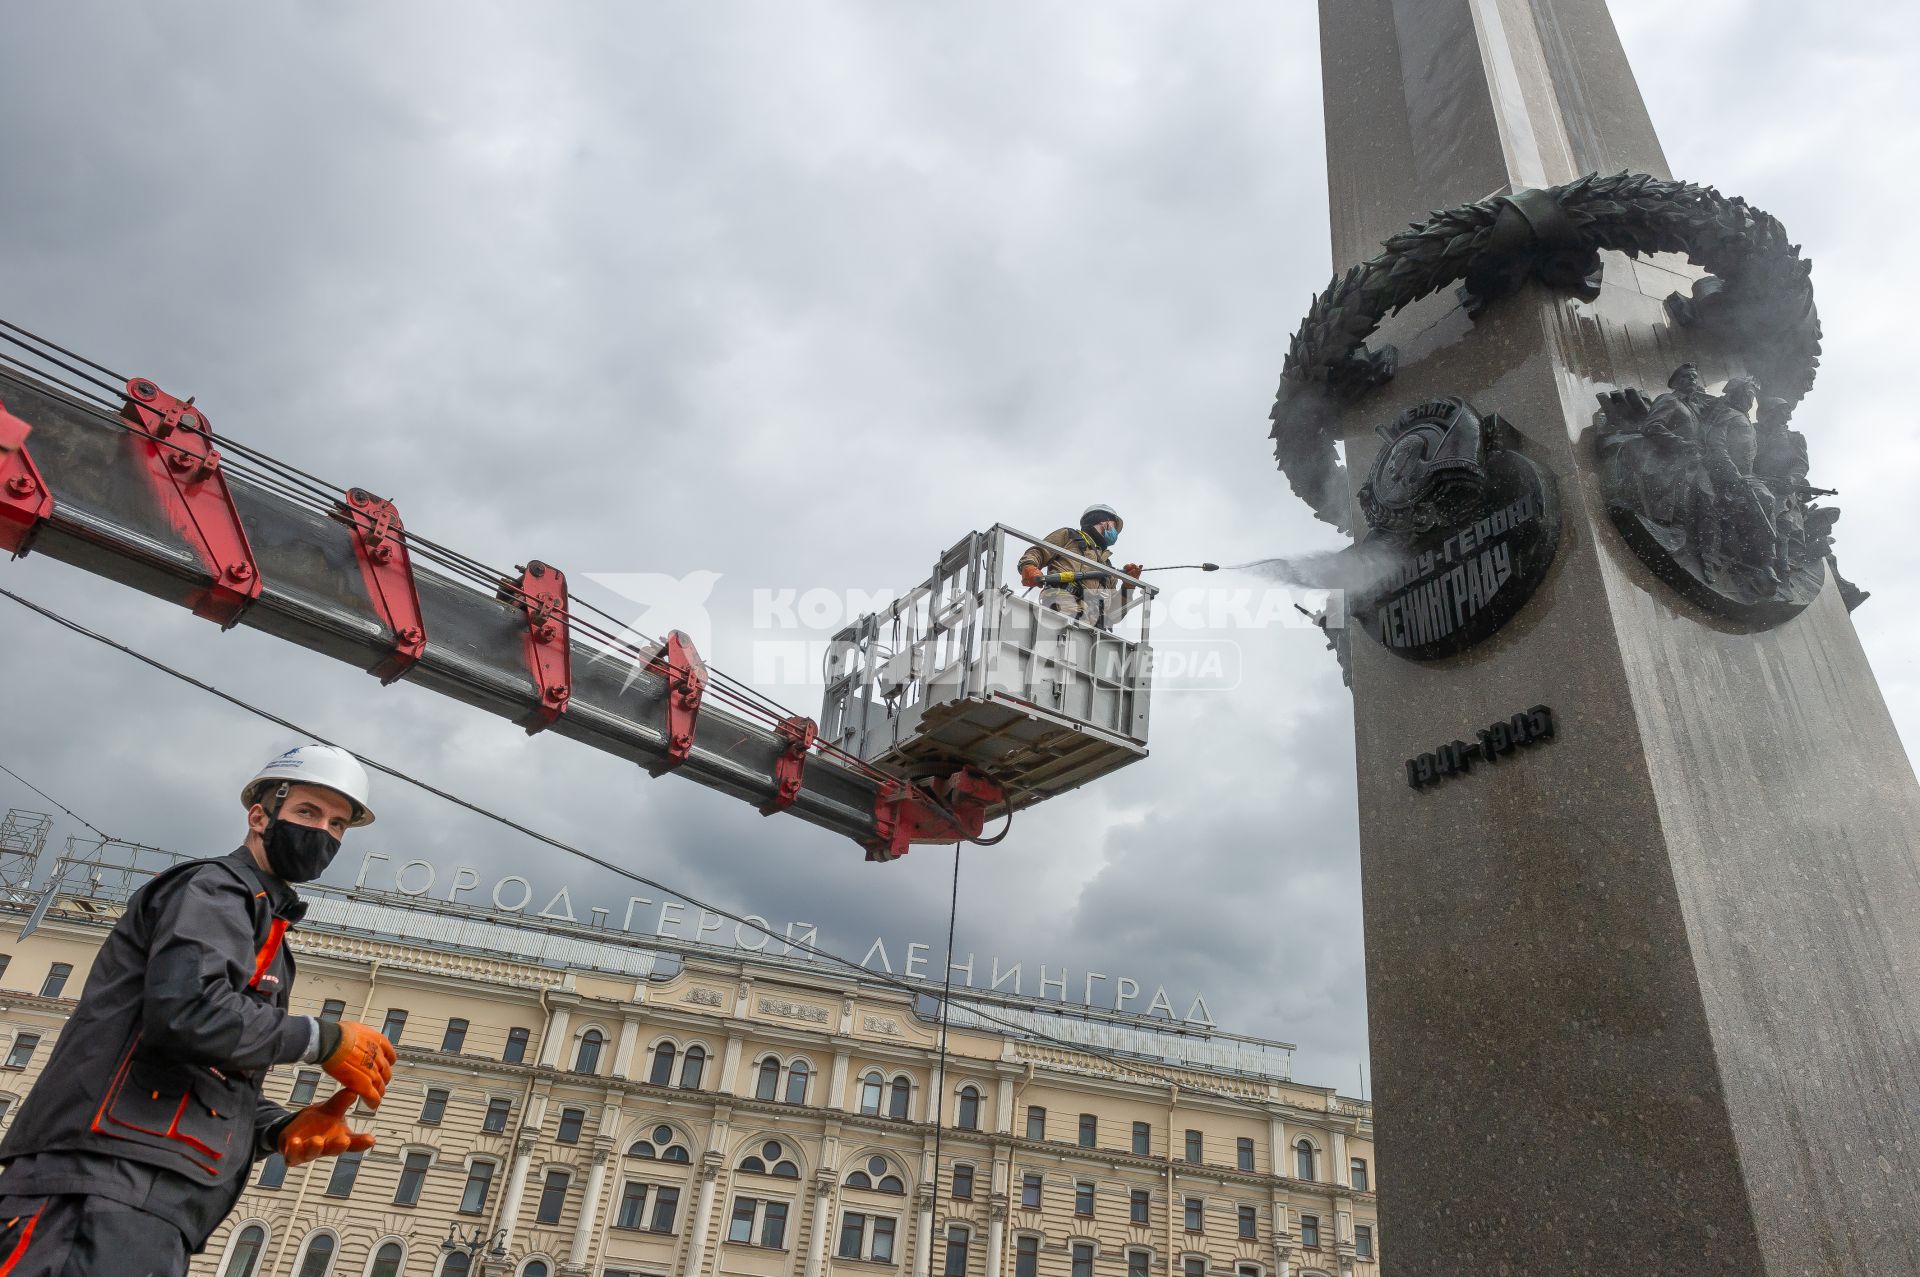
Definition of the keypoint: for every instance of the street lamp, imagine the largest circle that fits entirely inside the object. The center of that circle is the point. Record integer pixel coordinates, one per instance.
(471, 1244)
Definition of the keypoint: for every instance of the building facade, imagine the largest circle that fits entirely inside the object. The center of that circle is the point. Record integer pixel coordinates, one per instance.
(567, 1103)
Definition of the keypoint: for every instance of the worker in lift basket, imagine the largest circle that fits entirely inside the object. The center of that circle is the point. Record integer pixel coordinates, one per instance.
(137, 1140)
(1070, 587)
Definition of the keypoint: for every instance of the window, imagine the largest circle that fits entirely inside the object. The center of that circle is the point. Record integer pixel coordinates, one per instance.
(899, 1095)
(587, 1058)
(346, 1169)
(1036, 1122)
(538, 1268)
(319, 1256)
(1194, 1266)
(1089, 1130)
(273, 1172)
(772, 1160)
(435, 1108)
(1195, 1149)
(56, 979)
(498, 1109)
(1137, 1263)
(455, 1037)
(1026, 1257)
(24, 1045)
(394, 1025)
(5, 960)
(1083, 1259)
(304, 1085)
(853, 1229)
(957, 1238)
(1139, 1201)
(692, 1068)
(386, 1261)
(1363, 1241)
(1196, 1215)
(473, 1200)
(1030, 1192)
(771, 1218)
(660, 1146)
(968, 1119)
(1082, 1198)
(458, 1264)
(1303, 1159)
(665, 1202)
(553, 1198)
(962, 1180)
(633, 1205)
(864, 1236)
(246, 1252)
(1310, 1231)
(1142, 1138)
(516, 1052)
(413, 1175)
(571, 1120)
(768, 1084)
(1247, 1270)
(870, 1094)
(1249, 1218)
(1357, 1172)
(1243, 1153)
(331, 1010)
(797, 1074)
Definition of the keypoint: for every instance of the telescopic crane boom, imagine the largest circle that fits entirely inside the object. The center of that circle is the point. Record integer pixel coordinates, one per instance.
(120, 478)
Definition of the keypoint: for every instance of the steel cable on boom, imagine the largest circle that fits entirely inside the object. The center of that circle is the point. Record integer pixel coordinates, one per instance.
(885, 980)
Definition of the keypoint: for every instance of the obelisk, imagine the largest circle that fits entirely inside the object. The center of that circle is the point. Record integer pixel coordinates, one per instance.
(1644, 996)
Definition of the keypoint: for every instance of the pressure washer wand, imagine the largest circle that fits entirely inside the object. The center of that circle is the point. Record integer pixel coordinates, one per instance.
(1178, 567)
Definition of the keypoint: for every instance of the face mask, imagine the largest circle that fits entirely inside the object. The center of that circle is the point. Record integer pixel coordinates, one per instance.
(1109, 535)
(298, 853)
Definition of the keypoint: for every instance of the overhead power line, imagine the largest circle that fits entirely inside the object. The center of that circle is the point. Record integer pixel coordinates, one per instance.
(56, 802)
(885, 980)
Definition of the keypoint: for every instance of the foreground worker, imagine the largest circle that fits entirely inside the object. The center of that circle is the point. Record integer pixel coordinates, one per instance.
(137, 1139)
(1071, 587)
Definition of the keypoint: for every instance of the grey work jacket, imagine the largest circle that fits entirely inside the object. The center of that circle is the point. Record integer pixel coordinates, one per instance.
(160, 1067)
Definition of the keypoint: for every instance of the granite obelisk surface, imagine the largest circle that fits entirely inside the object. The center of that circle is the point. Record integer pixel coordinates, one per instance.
(1644, 997)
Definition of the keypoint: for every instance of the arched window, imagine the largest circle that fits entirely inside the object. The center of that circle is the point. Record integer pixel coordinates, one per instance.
(318, 1259)
(587, 1059)
(968, 1118)
(797, 1082)
(768, 1085)
(459, 1264)
(662, 1074)
(1303, 1158)
(387, 1260)
(772, 1159)
(870, 1088)
(662, 1143)
(690, 1071)
(900, 1096)
(877, 1175)
(245, 1255)
(534, 1268)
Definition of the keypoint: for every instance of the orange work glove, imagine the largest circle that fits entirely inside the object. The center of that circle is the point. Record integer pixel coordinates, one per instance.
(320, 1130)
(1132, 569)
(1029, 574)
(361, 1061)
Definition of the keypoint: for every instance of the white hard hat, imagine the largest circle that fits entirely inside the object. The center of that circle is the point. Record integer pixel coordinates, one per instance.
(324, 765)
(1100, 514)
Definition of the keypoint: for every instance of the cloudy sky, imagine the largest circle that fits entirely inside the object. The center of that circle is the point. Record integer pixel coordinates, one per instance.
(797, 295)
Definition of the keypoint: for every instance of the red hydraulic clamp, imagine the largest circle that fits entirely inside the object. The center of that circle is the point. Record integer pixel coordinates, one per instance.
(686, 676)
(25, 503)
(542, 591)
(789, 770)
(186, 479)
(380, 547)
(904, 814)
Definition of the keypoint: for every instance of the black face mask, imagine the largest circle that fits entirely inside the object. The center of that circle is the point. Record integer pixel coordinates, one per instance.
(298, 853)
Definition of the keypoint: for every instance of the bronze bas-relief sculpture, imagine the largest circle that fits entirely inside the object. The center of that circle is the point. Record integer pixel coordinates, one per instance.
(1716, 502)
